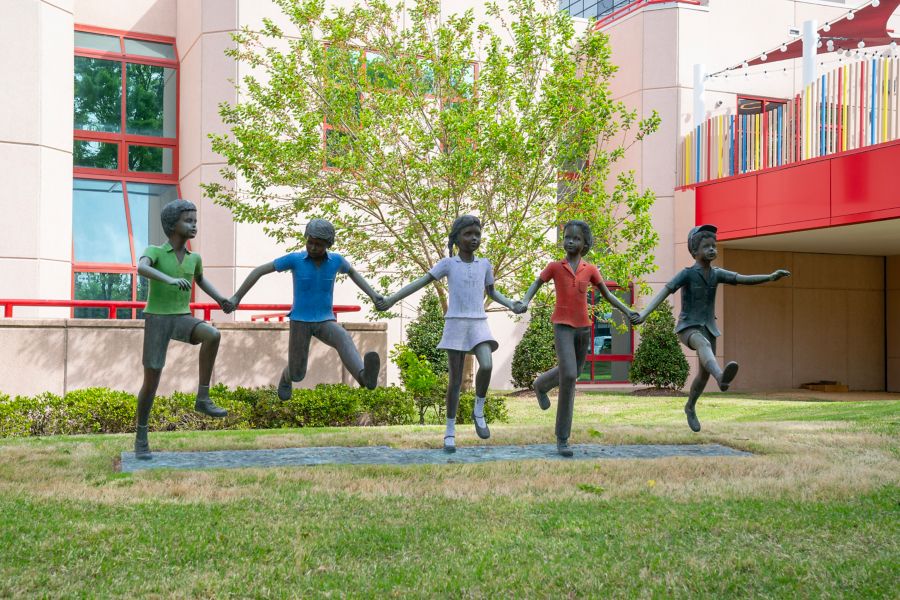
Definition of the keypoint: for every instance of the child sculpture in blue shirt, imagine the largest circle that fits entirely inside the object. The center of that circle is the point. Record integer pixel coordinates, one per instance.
(312, 313)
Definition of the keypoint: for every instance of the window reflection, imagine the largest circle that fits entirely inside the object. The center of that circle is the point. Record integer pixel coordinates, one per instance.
(99, 228)
(151, 49)
(102, 286)
(95, 155)
(145, 201)
(96, 41)
(150, 98)
(98, 94)
(150, 159)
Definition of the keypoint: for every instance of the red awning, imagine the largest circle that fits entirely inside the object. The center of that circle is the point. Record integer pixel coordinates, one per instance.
(869, 25)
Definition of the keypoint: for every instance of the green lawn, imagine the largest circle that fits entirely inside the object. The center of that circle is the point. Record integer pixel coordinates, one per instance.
(815, 513)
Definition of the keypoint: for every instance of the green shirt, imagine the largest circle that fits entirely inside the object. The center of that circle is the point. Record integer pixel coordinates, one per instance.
(166, 299)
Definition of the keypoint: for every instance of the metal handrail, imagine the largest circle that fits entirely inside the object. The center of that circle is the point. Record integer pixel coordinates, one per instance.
(112, 305)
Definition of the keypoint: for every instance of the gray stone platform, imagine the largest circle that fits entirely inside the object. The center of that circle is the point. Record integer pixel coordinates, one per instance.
(385, 455)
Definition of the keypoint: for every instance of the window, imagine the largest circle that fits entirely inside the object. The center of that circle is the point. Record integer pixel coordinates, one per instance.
(612, 350)
(749, 105)
(125, 160)
(592, 9)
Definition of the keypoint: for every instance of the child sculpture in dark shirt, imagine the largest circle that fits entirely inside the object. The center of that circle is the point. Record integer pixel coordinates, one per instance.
(696, 326)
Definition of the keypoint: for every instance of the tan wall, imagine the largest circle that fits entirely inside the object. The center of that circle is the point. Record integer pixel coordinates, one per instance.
(825, 322)
(892, 318)
(58, 355)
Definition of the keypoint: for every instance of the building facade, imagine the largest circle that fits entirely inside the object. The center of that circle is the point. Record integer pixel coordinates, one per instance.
(109, 105)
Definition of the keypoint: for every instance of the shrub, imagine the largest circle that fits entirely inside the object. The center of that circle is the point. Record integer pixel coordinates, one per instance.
(100, 410)
(14, 421)
(388, 406)
(659, 360)
(494, 409)
(424, 333)
(420, 380)
(535, 352)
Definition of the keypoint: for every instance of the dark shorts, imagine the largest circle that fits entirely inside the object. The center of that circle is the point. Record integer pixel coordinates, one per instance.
(159, 329)
(685, 334)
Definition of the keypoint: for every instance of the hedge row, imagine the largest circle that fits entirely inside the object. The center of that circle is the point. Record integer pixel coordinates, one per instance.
(101, 410)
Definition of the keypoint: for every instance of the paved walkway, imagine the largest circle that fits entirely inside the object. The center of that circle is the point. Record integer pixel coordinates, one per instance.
(384, 455)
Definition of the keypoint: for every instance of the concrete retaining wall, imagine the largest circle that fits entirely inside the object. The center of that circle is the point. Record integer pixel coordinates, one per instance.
(58, 355)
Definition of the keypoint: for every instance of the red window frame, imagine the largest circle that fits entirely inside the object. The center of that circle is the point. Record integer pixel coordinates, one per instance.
(592, 357)
(123, 139)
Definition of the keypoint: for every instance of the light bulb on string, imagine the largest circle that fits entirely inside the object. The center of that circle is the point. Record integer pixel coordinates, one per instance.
(851, 15)
(819, 44)
(826, 27)
(876, 3)
(783, 48)
(861, 44)
(745, 64)
(764, 57)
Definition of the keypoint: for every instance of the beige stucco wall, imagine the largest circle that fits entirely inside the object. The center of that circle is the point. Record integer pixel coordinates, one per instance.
(825, 322)
(58, 355)
(36, 40)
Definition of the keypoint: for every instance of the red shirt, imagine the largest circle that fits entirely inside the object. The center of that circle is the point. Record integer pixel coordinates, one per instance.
(571, 291)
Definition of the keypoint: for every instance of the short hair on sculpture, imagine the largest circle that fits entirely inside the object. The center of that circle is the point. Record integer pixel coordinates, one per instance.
(459, 224)
(321, 230)
(171, 212)
(585, 232)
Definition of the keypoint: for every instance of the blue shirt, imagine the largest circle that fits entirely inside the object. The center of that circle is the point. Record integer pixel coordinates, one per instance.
(313, 284)
(698, 296)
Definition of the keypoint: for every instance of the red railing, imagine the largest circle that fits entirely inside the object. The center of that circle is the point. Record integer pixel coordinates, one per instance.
(112, 305)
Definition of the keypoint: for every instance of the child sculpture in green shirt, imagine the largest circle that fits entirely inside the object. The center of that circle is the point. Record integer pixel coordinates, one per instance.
(171, 269)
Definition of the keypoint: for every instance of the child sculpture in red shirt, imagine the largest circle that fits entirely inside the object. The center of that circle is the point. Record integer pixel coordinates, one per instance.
(572, 278)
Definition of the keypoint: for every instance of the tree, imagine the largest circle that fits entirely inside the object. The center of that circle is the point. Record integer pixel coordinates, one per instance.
(391, 132)
(535, 352)
(424, 333)
(658, 360)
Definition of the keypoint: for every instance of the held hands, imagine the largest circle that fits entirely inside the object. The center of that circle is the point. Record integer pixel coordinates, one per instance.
(519, 307)
(227, 305)
(381, 303)
(775, 276)
(635, 317)
(182, 284)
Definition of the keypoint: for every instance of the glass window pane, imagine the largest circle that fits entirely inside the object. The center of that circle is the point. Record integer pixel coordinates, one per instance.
(337, 148)
(102, 286)
(98, 94)
(152, 49)
(427, 77)
(96, 155)
(145, 201)
(96, 41)
(99, 229)
(150, 159)
(143, 292)
(377, 72)
(150, 97)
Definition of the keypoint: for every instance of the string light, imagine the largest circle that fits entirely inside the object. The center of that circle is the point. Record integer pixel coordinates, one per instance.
(876, 3)
(764, 57)
(851, 15)
(783, 48)
(861, 44)
(826, 27)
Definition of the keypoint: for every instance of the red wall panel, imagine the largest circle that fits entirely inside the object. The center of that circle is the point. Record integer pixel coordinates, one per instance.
(865, 181)
(795, 194)
(729, 205)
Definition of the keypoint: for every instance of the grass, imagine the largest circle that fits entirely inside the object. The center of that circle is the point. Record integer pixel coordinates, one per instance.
(814, 513)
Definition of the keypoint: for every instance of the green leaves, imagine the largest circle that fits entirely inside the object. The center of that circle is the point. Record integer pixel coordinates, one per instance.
(392, 132)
